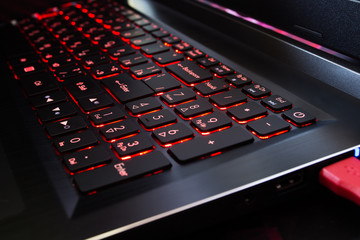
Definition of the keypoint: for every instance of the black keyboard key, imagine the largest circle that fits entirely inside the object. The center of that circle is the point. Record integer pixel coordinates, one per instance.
(207, 62)
(69, 72)
(211, 87)
(86, 159)
(105, 70)
(157, 119)
(143, 106)
(95, 102)
(75, 141)
(86, 51)
(194, 108)
(160, 33)
(94, 60)
(126, 148)
(66, 126)
(211, 122)
(299, 117)
(276, 103)
(132, 60)
(118, 172)
(133, 33)
(28, 69)
(168, 57)
(56, 112)
(142, 22)
(229, 98)
(24, 59)
(194, 53)
(182, 46)
(189, 72)
(38, 84)
(61, 62)
(119, 130)
(222, 70)
(154, 48)
(53, 53)
(178, 96)
(145, 70)
(143, 40)
(268, 127)
(162, 82)
(110, 42)
(211, 144)
(82, 86)
(256, 91)
(126, 89)
(170, 135)
(121, 27)
(238, 80)
(171, 39)
(247, 112)
(151, 27)
(107, 115)
(48, 99)
(121, 51)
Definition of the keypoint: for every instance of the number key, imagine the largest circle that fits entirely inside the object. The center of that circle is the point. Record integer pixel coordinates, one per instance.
(157, 119)
(132, 145)
(175, 133)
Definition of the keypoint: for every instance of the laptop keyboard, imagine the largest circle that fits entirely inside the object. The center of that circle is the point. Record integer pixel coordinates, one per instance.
(112, 89)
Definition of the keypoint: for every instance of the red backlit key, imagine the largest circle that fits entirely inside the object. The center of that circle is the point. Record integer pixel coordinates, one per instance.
(132, 60)
(69, 72)
(213, 143)
(207, 62)
(121, 27)
(133, 33)
(222, 70)
(66, 126)
(94, 102)
(178, 96)
(48, 99)
(126, 89)
(172, 134)
(28, 69)
(183, 46)
(105, 70)
(168, 57)
(276, 103)
(120, 51)
(145, 69)
(110, 42)
(229, 98)
(75, 141)
(256, 91)
(157, 119)
(194, 108)
(143, 105)
(151, 27)
(194, 54)
(106, 115)
(39, 84)
(162, 82)
(211, 87)
(247, 112)
(154, 48)
(82, 86)
(160, 33)
(132, 145)
(56, 112)
(120, 171)
(94, 60)
(299, 117)
(267, 127)
(87, 158)
(238, 80)
(119, 129)
(171, 39)
(60, 62)
(143, 40)
(189, 72)
(211, 122)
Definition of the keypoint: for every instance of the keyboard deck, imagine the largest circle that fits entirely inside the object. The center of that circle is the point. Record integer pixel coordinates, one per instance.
(112, 88)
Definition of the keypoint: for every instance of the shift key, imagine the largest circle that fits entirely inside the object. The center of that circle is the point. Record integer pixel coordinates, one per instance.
(120, 171)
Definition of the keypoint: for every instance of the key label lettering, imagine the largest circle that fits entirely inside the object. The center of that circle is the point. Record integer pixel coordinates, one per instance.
(121, 169)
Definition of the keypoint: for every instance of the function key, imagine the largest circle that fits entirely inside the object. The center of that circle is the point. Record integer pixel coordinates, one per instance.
(268, 127)
(194, 54)
(107, 115)
(87, 158)
(142, 22)
(182, 46)
(247, 112)
(133, 33)
(151, 27)
(167, 57)
(143, 40)
(207, 62)
(121, 27)
(171, 39)
(276, 103)
(195, 108)
(299, 117)
(170, 135)
(69, 72)
(61, 62)
(160, 33)
(154, 48)
(128, 147)
(238, 80)
(256, 91)
(222, 70)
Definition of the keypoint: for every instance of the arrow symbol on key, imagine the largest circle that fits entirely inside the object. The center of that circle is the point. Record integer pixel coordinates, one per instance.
(56, 109)
(64, 123)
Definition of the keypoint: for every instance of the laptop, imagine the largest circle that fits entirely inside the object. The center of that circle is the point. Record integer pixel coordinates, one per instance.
(156, 118)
